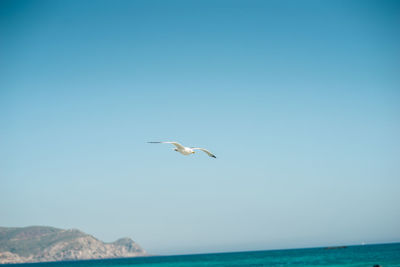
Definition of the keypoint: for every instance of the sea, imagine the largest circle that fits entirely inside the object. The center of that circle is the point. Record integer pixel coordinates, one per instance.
(384, 255)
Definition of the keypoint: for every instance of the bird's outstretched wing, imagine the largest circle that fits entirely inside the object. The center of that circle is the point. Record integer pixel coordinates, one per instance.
(174, 143)
(204, 150)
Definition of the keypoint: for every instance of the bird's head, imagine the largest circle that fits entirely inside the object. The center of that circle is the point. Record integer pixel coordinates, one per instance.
(175, 149)
(193, 152)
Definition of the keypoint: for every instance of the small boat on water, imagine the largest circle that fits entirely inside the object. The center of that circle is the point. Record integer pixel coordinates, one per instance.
(337, 247)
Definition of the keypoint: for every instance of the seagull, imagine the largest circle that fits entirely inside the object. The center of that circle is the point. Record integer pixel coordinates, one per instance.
(186, 150)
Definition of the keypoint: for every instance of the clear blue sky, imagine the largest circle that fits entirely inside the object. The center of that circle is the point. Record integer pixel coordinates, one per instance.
(299, 100)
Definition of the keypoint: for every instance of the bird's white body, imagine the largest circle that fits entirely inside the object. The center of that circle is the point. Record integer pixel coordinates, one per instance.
(186, 150)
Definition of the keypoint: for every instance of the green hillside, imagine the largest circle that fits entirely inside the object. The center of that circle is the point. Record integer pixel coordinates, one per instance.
(34, 239)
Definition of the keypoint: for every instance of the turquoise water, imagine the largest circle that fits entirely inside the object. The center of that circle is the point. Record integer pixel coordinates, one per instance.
(385, 255)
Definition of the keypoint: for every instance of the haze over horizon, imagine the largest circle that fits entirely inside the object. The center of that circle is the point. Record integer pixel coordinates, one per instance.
(299, 101)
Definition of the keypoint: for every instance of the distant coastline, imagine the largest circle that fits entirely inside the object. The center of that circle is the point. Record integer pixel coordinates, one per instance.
(48, 244)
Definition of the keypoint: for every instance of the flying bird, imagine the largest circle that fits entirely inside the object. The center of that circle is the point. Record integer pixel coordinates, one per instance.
(186, 150)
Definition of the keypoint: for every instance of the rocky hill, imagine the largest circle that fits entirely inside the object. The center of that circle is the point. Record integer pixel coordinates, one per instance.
(40, 244)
